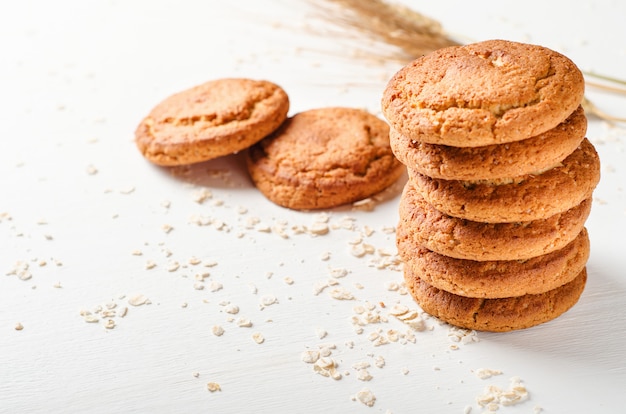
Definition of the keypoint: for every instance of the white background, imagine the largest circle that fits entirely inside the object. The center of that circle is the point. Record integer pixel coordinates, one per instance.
(78, 204)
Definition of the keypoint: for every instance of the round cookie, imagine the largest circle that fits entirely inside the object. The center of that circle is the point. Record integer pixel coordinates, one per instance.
(492, 161)
(216, 118)
(495, 315)
(324, 158)
(483, 93)
(499, 278)
(423, 225)
(530, 197)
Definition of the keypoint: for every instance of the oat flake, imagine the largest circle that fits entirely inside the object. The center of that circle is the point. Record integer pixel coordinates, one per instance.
(366, 397)
(258, 337)
(138, 300)
(310, 357)
(213, 386)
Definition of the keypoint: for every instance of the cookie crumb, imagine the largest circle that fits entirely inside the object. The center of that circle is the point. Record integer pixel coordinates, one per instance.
(258, 337)
(213, 387)
(365, 396)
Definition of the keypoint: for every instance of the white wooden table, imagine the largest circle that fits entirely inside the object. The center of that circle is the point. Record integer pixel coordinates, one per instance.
(160, 259)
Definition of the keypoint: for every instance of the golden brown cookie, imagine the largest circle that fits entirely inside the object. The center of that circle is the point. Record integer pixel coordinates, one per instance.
(495, 315)
(499, 278)
(216, 118)
(484, 93)
(530, 197)
(324, 158)
(423, 225)
(492, 161)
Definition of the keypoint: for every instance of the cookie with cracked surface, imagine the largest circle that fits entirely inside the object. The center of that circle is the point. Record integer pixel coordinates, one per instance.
(492, 161)
(495, 315)
(217, 118)
(497, 278)
(423, 225)
(484, 93)
(526, 198)
(323, 158)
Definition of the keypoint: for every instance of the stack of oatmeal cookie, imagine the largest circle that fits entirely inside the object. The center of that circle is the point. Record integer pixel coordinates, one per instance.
(501, 176)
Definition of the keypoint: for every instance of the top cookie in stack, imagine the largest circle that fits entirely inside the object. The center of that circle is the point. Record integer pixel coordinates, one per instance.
(500, 182)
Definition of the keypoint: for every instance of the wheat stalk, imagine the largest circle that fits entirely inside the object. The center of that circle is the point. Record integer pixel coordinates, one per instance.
(412, 35)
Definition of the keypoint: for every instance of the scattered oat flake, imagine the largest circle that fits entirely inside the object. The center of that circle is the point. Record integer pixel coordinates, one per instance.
(258, 337)
(318, 229)
(268, 300)
(310, 357)
(202, 195)
(138, 300)
(217, 330)
(215, 286)
(288, 280)
(493, 396)
(213, 387)
(91, 170)
(231, 309)
(127, 190)
(109, 324)
(327, 367)
(321, 333)
(244, 323)
(198, 286)
(484, 373)
(19, 326)
(338, 272)
(89, 318)
(341, 293)
(365, 396)
(150, 265)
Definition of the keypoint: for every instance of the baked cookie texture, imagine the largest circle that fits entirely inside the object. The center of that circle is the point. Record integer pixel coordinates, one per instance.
(491, 220)
(323, 158)
(217, 118)
(492, 161)
(496, 278)
(526, 198)
(485, 93)
(496, 315)
(424, 225)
